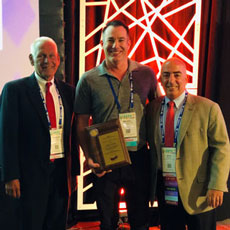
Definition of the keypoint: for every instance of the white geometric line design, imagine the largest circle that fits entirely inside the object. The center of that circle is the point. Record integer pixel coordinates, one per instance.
(185, 45)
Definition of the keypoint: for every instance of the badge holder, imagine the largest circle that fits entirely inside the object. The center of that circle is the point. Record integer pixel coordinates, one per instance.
(169, 175)
(56, 148)
(129, 128)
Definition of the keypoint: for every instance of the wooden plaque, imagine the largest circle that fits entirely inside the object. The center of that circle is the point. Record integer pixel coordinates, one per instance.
(107, 146)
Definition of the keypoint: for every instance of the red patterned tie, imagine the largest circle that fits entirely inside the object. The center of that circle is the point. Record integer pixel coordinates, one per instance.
(50, 106)
(169, 125)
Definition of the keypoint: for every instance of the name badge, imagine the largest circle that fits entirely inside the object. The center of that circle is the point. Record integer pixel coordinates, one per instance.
(169, 159)
(57, 147)
(171, 190)
(129, 127)
(169, 175)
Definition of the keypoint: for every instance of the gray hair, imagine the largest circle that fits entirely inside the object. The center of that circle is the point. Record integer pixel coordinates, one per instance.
(40, 40)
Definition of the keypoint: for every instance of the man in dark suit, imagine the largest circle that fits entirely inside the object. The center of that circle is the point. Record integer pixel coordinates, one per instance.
(193, 168)
(37, 159)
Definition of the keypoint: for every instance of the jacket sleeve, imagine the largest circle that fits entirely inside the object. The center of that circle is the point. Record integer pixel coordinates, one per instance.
(219, 149)
(9, 144)
(75, 150)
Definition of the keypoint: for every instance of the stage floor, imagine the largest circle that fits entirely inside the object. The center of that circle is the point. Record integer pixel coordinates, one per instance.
(223, 225)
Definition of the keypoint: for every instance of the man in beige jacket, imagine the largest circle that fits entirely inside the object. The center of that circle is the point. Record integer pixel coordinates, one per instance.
(192, 173)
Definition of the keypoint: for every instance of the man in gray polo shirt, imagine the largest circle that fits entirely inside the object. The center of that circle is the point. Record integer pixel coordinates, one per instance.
(105, 93)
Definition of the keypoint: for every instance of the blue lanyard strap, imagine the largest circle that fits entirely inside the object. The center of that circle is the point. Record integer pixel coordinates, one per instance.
(178, 120)
(131, 90)
(114, 94)
(60, 106)
(116, 97)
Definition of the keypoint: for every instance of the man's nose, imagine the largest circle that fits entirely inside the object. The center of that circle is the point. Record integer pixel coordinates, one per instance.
(46, 59)
(171, 78)
(115, 44)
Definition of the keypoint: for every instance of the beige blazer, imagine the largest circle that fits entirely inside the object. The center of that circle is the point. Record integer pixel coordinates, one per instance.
(203, 150)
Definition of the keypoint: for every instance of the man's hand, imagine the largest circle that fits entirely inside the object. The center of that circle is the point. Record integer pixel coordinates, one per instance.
(12, 188)
(82, 122)
(93, 165)
(214, 198)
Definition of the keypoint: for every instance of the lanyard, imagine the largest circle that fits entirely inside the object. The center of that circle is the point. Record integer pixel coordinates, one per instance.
(131, 92)
(60, 106)
(178, 120)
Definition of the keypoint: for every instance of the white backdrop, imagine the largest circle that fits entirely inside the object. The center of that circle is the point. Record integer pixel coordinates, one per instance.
(19, 27)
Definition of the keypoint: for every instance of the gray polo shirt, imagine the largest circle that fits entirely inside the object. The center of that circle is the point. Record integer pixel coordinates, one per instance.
(94, 95)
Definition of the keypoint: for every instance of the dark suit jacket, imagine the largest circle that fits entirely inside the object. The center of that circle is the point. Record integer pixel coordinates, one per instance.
(203, 150)
(25, 138)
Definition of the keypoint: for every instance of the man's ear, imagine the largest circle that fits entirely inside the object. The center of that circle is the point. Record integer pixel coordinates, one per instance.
(59, 59)
(31, 59)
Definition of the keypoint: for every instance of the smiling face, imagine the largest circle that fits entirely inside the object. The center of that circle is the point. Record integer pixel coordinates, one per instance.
(173, 78)
(116, 44)
(45, 59)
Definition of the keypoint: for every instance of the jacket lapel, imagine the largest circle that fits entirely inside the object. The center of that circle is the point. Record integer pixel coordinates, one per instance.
(186, 119)
(36, 100)
(64, 99)
(156, 119)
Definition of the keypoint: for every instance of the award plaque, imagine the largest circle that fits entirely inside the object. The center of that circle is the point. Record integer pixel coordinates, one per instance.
(107, 146)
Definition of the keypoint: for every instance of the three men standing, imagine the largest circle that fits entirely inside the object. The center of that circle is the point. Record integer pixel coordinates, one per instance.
(191, 165)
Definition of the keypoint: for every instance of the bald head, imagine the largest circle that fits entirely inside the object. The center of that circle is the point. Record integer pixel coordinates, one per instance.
(175, 61)
(44, 57)
(41, 40)
(173, 77)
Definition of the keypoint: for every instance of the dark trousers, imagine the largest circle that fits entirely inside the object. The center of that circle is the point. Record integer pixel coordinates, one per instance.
(176, 218)
(9, 216)
(45, 209)
(56, 211)
(135, 180)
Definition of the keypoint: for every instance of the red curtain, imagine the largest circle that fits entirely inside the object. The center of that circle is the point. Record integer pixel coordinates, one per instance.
(214, 80)
(71, 36)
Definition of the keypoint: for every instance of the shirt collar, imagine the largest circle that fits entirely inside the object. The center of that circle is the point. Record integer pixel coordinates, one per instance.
(178, 101)
(41, 81)
(103, 71)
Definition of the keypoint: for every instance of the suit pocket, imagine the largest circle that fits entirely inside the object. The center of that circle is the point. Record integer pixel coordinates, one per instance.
(195, 131)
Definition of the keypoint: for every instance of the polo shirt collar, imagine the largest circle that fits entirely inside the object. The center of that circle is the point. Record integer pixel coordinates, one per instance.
(132, 65)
